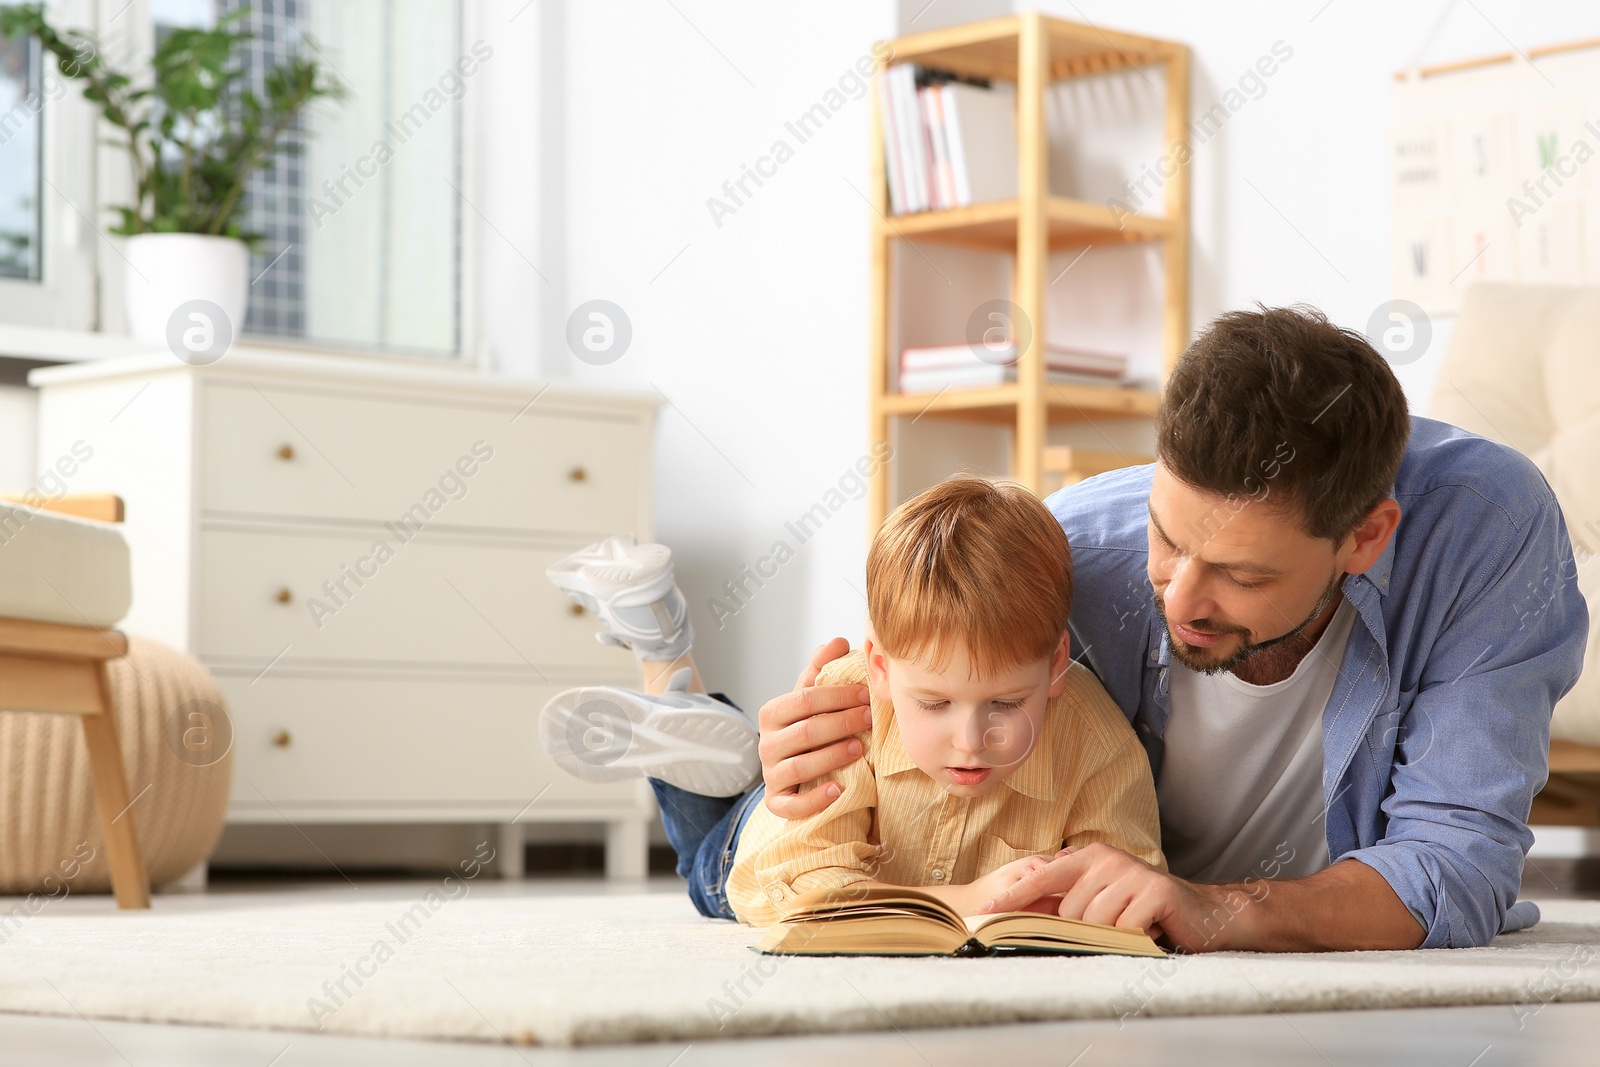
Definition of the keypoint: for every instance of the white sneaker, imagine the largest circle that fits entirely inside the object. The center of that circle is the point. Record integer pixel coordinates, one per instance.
(690, 740)
(629, 587)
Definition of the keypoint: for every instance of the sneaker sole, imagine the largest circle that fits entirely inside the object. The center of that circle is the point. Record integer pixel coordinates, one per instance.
(600, 734)
(567, 568)
(645, 576)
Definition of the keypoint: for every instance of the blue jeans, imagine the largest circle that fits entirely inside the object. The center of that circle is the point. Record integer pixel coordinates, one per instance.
(704, 831)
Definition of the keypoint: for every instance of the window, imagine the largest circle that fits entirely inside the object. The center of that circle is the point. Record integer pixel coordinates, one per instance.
(47, 240)
(361, 226)
(20, 160)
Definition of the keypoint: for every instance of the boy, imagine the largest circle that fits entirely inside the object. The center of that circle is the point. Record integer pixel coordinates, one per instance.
(989, 747)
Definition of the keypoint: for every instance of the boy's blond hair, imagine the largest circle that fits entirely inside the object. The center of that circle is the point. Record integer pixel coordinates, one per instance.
(971, 561)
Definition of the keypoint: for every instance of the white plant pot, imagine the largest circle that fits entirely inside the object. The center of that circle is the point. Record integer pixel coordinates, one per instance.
(169, 271)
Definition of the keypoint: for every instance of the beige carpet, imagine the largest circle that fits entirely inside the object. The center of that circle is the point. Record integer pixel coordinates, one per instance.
(565, 970)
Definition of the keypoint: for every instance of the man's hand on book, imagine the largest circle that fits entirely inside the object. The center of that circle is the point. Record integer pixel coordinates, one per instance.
(808, 732)
(1347, 906)
(1101, 884)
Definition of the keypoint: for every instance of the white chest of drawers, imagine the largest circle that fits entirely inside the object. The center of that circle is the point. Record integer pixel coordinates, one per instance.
(357, 550)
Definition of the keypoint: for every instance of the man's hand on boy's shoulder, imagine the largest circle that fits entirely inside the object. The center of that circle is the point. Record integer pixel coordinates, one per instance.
(808, 732)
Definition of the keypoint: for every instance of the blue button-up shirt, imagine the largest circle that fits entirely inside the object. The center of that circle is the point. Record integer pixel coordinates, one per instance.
(1437, 733)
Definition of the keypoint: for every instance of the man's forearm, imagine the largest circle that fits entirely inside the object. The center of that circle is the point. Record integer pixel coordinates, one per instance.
(1348, 906)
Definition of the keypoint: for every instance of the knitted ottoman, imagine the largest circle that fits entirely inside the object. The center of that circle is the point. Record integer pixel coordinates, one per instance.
(177, 742)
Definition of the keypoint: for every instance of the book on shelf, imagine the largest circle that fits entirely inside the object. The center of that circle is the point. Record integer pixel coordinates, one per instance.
(934, 368)
(949, 141)
(981, 124)
(980, 377)
(894, 163)
(904, 140)
(892, 921)
(940, 185)
(1060, 357)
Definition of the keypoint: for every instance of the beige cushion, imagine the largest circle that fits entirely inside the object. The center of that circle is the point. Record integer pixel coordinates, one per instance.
(177, 745)
(56, 568)
(1523, 368)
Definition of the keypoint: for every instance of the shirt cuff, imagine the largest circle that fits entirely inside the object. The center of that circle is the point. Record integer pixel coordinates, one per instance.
(779, 893)
(1433, 892)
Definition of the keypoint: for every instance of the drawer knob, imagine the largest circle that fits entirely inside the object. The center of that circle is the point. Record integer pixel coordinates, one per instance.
(283, 595)
(574, 609)
(281, 739)
(577, 474)
(286, 452)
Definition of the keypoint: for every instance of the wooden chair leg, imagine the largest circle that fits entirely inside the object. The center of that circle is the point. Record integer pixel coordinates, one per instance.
(129, 879)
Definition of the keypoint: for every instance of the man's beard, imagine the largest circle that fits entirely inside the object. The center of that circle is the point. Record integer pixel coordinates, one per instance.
(1247, 650)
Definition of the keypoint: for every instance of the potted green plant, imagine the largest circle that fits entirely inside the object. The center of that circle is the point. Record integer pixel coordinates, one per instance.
(194, 131)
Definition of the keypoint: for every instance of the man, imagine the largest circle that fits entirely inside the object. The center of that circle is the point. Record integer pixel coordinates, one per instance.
(1339, 633)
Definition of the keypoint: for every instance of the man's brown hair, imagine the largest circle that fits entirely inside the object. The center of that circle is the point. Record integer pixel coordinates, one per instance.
(973, 562)
(1279, 405)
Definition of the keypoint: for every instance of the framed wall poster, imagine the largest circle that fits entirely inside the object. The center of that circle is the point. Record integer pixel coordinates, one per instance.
(1495, 173)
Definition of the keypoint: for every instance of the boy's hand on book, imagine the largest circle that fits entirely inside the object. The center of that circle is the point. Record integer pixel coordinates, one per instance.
(969, 899)
(809, 732)
(997, 882)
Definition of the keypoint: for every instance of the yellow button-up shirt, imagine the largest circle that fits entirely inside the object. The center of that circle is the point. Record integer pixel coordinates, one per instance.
(1086, 780)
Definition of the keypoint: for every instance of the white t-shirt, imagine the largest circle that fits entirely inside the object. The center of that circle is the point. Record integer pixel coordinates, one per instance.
(1241, 779)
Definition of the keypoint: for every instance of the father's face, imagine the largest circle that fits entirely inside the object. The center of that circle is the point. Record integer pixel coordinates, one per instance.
(1233, 579)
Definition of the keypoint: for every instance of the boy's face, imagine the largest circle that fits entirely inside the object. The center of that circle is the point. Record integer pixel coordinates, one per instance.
(966, 732)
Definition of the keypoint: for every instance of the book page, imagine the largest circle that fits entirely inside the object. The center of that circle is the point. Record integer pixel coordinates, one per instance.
(863, 901)
(978, 922)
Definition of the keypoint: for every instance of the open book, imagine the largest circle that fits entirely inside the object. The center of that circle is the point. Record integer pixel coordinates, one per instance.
(892, 921)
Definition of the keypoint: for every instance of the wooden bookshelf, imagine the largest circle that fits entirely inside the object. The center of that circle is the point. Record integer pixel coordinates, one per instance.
(1068, 465)
(1030, 51)
(1064, 403)
(992, 227)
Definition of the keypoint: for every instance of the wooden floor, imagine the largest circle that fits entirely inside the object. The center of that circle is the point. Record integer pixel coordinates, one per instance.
(1447, 1037)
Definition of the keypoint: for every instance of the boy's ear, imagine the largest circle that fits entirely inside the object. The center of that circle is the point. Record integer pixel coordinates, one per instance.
(1060, 660)
(877, 668)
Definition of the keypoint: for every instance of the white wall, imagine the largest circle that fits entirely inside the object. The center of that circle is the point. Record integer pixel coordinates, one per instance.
(614, 122)
(754, 329)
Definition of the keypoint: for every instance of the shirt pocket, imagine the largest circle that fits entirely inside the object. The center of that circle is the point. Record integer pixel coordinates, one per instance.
(1401, 733)
(994, 852)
